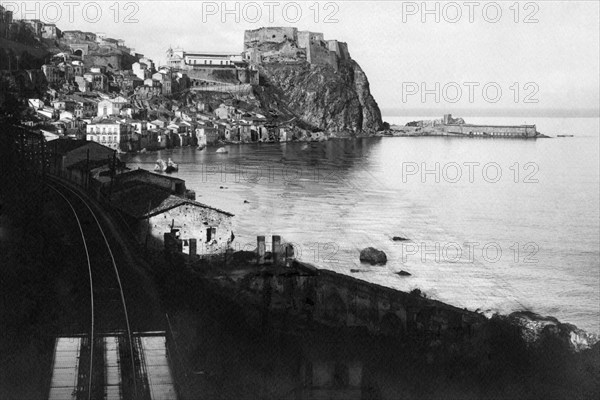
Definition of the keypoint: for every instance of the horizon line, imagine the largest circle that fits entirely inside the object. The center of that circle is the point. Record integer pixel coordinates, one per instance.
(485, 112)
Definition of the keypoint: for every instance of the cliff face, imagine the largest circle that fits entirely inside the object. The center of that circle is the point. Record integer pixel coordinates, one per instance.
(319, 98)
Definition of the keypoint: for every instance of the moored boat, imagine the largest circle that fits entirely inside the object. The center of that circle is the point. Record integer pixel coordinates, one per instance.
(171, 167)
(160, 166)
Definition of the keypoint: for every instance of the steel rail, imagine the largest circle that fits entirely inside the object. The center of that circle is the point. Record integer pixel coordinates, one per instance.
(87, 254)
(116, 270)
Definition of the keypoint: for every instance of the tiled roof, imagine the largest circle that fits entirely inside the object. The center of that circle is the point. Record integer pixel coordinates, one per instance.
(93, 164)
(63, 146)
(140, 171)
(142, 201)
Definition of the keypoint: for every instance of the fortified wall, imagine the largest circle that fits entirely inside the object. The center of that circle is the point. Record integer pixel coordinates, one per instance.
(522, 131)
(284, 44)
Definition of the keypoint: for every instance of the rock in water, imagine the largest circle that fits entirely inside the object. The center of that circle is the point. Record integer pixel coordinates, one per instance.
(221, 150)
(373, 256)
(403, 273)
(399, 239)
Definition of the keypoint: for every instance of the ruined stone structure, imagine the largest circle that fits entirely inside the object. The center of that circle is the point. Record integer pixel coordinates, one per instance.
(290, 45)
(74, 36)
(283, 287)
(161, 213)
(79, 49)
(96, 50)
(340, 300)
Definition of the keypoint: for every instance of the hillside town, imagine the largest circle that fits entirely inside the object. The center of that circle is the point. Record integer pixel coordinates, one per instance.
(92, 87)
(107, 105)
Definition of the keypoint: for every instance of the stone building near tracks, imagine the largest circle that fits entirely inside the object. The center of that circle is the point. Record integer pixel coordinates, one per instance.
(63, 153)
(155, 205)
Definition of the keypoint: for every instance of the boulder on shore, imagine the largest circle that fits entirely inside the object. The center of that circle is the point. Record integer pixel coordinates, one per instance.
(373, 256)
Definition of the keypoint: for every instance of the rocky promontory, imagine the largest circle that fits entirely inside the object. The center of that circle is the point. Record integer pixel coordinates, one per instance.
(312, 81)
(321, 98)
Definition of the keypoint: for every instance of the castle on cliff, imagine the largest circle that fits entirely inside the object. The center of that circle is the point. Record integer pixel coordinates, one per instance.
(286, 44)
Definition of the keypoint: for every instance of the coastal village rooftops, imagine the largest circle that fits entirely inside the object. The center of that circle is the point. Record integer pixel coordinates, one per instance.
(84, 165)
(142, 201)
(81, 99)
(171, 184)
(65, 146)
(211, 53)
(105, 121)
(143, 172)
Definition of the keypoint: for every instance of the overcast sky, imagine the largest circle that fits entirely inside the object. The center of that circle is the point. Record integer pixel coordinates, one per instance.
(557, 52)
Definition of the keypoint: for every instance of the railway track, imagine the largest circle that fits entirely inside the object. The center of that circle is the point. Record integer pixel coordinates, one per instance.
(107, 298)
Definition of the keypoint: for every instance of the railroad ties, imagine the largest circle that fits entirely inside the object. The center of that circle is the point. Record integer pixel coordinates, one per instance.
(152, 379)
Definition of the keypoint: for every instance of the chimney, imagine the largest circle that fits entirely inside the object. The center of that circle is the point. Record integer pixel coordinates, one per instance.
(276, 249)
(261, 249)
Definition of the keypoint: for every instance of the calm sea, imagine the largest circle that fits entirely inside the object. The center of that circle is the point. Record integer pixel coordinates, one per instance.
(497, 225)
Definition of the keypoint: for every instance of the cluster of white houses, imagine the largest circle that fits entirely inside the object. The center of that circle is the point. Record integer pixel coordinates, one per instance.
(99, 103)
(111, 122)
(79, 105)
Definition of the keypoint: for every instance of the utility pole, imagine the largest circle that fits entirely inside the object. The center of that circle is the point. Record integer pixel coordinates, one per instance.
(112, 176)
(56, 170)
(87, 170)
(43, 143)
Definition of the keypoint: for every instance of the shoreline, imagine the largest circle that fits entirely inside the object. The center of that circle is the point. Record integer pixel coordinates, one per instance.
(333, 137)
(241, 278)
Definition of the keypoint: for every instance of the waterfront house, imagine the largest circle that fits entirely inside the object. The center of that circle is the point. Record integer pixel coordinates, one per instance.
(207, 133)
(65, 152)
(151, 212)
(111, 133)
(95, 174)
(171, 184)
